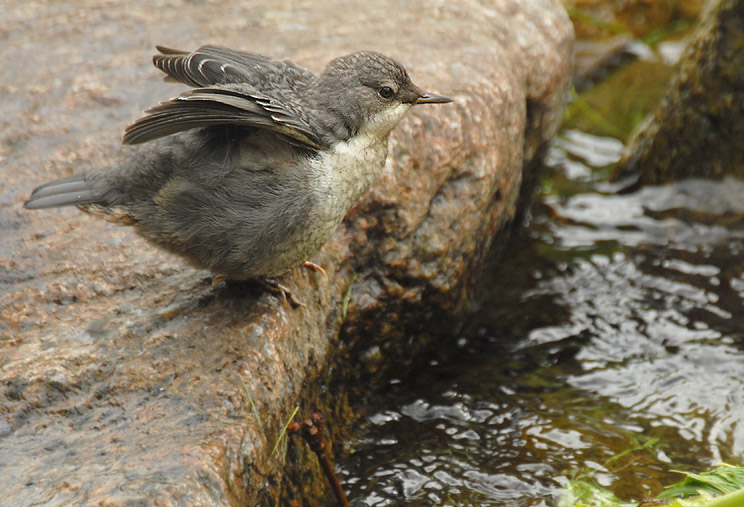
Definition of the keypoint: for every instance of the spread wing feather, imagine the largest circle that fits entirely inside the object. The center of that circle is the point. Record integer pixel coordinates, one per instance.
(206, 107)
(231, 88)
(213, 65)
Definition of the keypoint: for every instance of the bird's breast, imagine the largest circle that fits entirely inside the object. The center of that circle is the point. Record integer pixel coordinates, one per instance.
(348, 170)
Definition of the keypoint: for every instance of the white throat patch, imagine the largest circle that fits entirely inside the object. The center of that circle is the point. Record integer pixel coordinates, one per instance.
(381, 123)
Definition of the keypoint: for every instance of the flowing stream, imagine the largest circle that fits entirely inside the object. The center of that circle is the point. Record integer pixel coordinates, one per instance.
(611, 346)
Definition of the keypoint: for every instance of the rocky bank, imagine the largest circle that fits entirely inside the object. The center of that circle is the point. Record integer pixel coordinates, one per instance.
(120, 365)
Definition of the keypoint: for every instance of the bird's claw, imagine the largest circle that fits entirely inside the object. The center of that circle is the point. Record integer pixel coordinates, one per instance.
(217, 279)
(267, 284)
(277, 288)
(315, 267)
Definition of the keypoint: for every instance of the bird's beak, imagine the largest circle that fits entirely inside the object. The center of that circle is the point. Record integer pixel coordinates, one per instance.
(432, 98)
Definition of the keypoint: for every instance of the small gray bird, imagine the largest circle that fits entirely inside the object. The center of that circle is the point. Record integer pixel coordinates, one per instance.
(250, 172)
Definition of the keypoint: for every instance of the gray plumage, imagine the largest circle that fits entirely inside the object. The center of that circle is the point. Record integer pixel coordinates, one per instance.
(248, 173)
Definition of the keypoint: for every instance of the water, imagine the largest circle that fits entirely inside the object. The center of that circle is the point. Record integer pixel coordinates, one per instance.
(611, 346)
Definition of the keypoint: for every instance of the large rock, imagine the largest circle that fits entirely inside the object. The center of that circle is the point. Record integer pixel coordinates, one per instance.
(120, 366)
(698, 130)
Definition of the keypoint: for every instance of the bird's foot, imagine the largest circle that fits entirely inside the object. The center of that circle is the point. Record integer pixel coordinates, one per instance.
(217, 279)
(315, 267)
(276, 288)
(265, 283)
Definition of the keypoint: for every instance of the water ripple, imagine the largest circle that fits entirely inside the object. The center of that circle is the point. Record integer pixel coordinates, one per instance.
(615, 326)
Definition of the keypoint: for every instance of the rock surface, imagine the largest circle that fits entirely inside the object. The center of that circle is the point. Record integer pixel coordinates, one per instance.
(698, 129)
(120, 366)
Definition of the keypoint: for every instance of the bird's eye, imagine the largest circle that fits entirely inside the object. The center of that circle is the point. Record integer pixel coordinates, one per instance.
(386, 92)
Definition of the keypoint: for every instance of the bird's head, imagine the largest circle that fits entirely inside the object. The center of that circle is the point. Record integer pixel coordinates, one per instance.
(368, 92)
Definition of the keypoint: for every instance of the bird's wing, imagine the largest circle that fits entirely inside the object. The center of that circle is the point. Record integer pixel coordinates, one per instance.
(238, 105)
(215, 65)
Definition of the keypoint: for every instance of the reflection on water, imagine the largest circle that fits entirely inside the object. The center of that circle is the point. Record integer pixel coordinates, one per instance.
(617, 321)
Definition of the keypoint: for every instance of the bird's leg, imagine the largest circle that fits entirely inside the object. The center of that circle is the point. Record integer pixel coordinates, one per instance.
(275, 287)
(315, 267)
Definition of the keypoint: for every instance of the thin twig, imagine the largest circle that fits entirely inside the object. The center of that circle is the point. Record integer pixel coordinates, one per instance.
(312, 432)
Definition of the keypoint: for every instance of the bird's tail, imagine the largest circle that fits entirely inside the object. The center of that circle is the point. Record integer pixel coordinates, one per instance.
(72, 191)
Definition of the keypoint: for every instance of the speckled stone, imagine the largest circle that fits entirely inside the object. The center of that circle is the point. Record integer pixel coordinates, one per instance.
(120, 365)
(698, 129)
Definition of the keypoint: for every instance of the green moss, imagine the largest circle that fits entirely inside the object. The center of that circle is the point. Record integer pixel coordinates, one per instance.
(617, 105)
(721, 487)
(723, 479)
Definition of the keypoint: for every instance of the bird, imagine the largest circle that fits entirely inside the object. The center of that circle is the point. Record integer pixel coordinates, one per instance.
(248, 172)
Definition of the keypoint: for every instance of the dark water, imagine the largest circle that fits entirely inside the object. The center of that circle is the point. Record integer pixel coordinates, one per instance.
(615, 325)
